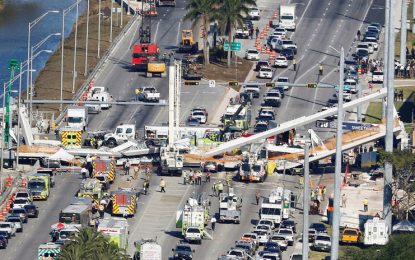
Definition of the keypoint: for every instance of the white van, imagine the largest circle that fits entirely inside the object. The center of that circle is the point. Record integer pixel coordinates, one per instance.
(352, 85)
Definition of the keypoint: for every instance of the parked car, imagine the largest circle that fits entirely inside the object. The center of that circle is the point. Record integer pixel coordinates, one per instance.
(288, 223)
(183, 251)
(21, 202)
(288, 233)
(263, 236)
(262, 63)
(265, 73)
(248, 246)
(252, 54)
(237, 253)
(288, 53)
(281, 240)
(9, 227)
(23, 194)
(252, 237)
(319, 227)
(3, 242)
(17, 222)
(281, 62)
(284, 80)
(21, 212)
(322, 242)
(253, 13)
(32, 211)
(261, 126)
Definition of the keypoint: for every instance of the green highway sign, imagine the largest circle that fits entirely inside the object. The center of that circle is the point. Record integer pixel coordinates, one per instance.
(345, 87)
(235, 46)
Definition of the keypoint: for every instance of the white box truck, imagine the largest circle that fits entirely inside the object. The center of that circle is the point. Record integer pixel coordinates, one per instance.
(287, 17)
(116, 229)
(77, 117)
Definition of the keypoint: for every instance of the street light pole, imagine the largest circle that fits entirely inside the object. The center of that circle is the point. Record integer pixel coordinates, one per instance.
(18, 115)
(31, 25)
(403, 32)
(122, 9)
(74, 74)
(387, 195)
(338, 168)
(99, 28)
(2, 138)
(86, 44)
(112, 9)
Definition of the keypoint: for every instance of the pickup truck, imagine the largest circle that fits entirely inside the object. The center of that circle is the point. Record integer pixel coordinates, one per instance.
(194, 234)
(350, 236)
(252, 90)
(289, 44)
(149, 94)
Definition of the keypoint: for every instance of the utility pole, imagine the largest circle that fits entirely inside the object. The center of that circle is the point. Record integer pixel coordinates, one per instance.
(18, 112)
(87, 36)
(387, 190)
(338, 169)
(112, 9)
(99, 28)
(306, 201)
(74, 75)
(13, 66)
(122, 9)
(359, 107)
(403, 31)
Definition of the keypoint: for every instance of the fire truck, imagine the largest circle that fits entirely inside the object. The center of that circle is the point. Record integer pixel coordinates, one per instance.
(104, 166)
(143, 53)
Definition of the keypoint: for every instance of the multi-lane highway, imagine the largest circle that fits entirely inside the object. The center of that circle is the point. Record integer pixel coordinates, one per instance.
(321, 24)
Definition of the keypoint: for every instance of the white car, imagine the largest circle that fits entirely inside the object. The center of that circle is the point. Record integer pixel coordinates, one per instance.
(200, 115)
(280, 240)
(372, 40)
(262, 236)
(284, 80)
(281, 62)
(264, 227)
(287, 43)
(20, 202)
(280, 31)
(253, 13)
(365, 46)
(265, 73)
(9, 227)
(352, 85)
(24, 193)
(377, 77)
(266, 222)
(288, 234)
(252, 54)
(322, 242)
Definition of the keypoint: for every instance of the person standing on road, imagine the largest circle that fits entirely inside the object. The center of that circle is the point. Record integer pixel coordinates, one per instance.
(162, 185)
(214, 188)
(184, 175)
(344, 199)
(324, 192)
(257, 32)
(220, 188)
(208, 174)
(365, 205)
(146, 185)
(213, 223)
(127, 167)
(84, 171)
(320, 69)
(358, 35)
(294, 65)
(199, 177)
(257, 197)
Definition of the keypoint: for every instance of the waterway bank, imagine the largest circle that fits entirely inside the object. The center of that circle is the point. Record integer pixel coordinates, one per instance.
(47, 84)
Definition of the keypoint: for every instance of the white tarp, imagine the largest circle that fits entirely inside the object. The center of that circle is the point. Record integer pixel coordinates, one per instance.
(63, 155)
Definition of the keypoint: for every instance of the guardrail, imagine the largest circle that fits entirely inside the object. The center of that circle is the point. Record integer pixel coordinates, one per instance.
(95, 73)
(5, 196)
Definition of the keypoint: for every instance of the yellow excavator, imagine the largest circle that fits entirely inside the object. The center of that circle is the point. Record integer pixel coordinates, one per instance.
(156, 68)
(188, 45)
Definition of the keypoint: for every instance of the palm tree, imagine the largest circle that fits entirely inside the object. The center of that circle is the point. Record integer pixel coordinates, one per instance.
(230, 15)
(201, 12)
(89, 244)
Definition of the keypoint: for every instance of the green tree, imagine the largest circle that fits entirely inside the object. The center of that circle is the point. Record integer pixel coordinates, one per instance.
(89, 244)
(230, 16)
(201, 12)
(403, 186)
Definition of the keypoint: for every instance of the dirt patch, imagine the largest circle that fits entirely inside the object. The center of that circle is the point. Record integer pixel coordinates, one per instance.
(47, 84)
(219, 70)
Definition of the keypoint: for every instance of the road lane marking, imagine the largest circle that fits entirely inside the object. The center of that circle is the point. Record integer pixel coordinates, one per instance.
(157, 29)
(178, 33)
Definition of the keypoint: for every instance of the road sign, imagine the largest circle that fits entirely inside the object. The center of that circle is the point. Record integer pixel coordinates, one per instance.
(352, 126)
(345, 87)
(235, 46)
(212, 83)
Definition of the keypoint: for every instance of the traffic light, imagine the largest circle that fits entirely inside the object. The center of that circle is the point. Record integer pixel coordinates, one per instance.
(311, 85)
(191, 83)
(233, 83)
(270, 84)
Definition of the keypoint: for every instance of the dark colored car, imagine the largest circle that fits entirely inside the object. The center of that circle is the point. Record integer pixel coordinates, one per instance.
(372, 34)
(289, 224)
(183, 251)
(4, 234)
(3, 242)
(319, 227)
(272, 247)
(260, 127)
(287, 53)
(361, 53)
(261, 64)
(266, 118)
(32, 211)
(21, 212)
(281, 90)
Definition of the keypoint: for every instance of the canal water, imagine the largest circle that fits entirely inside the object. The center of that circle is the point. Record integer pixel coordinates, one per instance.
(15, 17)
